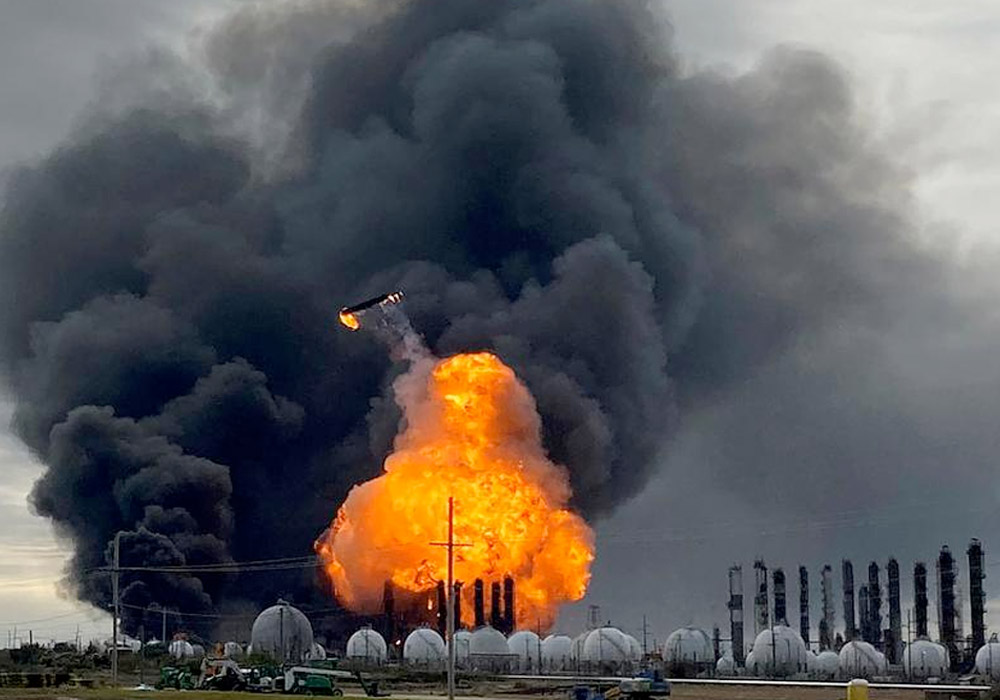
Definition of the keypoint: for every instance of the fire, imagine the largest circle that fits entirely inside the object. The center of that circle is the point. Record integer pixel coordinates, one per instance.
(472, 432)
(349, 320)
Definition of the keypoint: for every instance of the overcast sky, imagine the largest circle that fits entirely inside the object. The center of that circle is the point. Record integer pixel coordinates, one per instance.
(922, 71)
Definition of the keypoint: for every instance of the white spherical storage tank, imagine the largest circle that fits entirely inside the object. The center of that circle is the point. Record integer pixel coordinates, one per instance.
(925, 659)
(282, 632)
(367, 645)
(317, 652)
(557, 652)
(780, 651)
(861, 659)
(463, 644)
(488, 641)
(606, 645)
(424, 647)
(750, 665)
(181, 649)
(988, 660)
(826, 665)
(725, 666)
(634, 648)
(688, 646)
(576, 651)
(232, 650)
(527, 646)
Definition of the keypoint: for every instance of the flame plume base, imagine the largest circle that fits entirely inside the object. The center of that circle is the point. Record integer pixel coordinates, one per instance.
(472, 431)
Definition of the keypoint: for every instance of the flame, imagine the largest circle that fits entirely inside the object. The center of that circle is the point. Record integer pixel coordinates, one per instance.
(472, 432)
(349, 320)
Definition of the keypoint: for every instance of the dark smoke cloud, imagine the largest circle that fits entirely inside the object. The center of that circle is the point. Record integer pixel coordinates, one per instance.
(537, 175)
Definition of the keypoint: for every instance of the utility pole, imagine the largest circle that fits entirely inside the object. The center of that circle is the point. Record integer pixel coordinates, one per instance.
(450, 622)
(117, 613)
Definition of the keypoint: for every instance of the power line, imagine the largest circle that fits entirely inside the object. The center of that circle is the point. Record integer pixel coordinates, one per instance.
(44, 619)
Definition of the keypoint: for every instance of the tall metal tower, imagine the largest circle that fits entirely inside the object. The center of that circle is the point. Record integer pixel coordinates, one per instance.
(736, 613)
(865, 613)
(804, 604)
(780, 606)
(826, 623)
(850, 631)
(946, 602)
(875, 606)
(761, 618)
(893, 646)
(977, 595)
(920, 597)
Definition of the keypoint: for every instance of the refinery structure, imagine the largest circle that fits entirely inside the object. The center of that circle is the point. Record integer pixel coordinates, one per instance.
(869, 630)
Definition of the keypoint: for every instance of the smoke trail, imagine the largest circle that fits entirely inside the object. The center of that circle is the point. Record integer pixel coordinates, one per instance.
(537, 175)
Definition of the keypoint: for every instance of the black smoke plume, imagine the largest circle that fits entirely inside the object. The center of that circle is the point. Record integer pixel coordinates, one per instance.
(539, 176)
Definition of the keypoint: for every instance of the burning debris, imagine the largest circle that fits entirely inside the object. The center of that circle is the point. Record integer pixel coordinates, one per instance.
(472, 431)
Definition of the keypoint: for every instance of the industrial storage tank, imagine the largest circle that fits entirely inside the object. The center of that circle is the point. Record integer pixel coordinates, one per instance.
(424, 647)
(988, 660)
(634, 648)
(780, 651)
(181, 649)
(861, 659)
(750, 664)
(317, 652)
(368, 646)
(557, 652)
(688, 649)
(527, 646)
(825, 665)
(725, 666)
(198, 650)
(232, 650)
(463, 643)
(606, 646)
(488, 650)
(282, 632)
(577, 649)
(924, 659)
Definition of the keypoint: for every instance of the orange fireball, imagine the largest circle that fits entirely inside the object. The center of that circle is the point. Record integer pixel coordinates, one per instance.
(472, 431)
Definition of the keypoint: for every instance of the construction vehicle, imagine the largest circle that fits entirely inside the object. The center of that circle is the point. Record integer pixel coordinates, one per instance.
(308, 680)
(175, 678)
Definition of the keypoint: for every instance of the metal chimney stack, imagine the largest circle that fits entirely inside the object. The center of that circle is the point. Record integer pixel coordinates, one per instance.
(920, 597)
(946, 602)
(804, 605)
(736, 613)
(977, 594)
(780, 608)
(457, 593)
(826, 623)
(875, 606)
(761, 618)
(894, 647)
(388, 612)
(850, 631)
(496, 613)
(865, 613)
(479, 602)
(509, 613)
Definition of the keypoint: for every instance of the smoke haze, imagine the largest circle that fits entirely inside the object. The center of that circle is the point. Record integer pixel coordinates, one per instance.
(652, 250)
